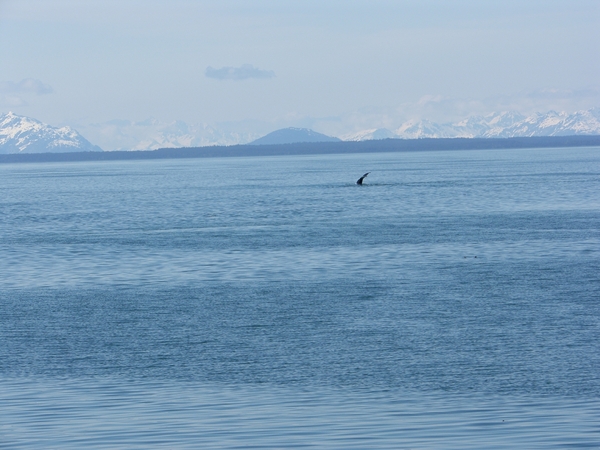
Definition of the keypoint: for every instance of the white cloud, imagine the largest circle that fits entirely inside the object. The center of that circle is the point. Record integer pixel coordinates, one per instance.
(12, 93)
(25, 86)
(12, 101)
(430, 99)
(244, 72)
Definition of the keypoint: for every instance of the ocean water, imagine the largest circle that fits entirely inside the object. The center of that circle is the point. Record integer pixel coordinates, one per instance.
(452, 301)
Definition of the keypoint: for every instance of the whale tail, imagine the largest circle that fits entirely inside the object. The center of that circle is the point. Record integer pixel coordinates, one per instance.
(360, 180)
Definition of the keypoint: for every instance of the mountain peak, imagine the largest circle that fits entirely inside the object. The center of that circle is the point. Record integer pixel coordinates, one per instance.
(293, 135)
(21, 134)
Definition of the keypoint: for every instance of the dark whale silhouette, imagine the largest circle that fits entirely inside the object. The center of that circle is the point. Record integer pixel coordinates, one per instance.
(360, 180)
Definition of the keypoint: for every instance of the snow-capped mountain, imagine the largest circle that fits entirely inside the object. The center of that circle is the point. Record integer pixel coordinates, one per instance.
(369, 135)
(553, 124)
(422, 129)
(180, 134)
(496, 125)
(20, 134)
(152, 134)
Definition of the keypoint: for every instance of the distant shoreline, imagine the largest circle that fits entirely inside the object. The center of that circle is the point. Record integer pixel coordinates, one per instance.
(314, 148)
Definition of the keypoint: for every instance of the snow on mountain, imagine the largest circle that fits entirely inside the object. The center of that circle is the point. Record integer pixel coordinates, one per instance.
(152, 134)
(497, 125)
(369, 135)
(20, 134)
(584, 122)
(424, 129)
(177, 134)
(490, 125)
(554, 124)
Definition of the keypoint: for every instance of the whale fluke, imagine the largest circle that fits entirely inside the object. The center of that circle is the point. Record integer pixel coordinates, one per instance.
(360, 180)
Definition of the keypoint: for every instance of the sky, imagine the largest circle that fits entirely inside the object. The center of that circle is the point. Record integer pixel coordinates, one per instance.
(332, 65)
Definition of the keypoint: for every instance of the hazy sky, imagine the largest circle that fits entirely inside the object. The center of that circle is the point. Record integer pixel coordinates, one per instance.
(330, 64)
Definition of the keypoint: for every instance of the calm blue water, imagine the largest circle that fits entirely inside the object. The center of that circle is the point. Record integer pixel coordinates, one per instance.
(453, 301)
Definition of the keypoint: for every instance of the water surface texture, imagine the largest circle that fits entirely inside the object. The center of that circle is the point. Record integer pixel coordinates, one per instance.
(452, 301)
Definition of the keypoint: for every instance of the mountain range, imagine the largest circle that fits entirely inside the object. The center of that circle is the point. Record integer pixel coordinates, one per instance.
(495, 125)
(152, 134)
(20, 134)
